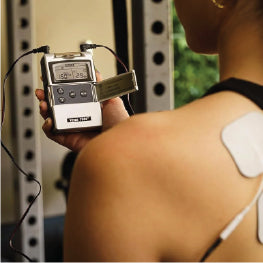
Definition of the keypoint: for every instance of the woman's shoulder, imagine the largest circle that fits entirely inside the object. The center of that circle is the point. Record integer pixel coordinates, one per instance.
(180, 156)
(193, 122)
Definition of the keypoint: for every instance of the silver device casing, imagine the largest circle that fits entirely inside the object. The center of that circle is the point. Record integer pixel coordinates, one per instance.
(75, 116)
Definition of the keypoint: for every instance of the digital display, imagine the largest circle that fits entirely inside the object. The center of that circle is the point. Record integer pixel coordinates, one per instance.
(71, 71)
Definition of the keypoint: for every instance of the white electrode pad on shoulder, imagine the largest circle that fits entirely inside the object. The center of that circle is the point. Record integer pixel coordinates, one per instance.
(260, 218)
(244, 140)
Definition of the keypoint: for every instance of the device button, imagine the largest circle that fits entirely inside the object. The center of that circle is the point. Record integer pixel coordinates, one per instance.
(60, 91)
(61, 99)
(83, 93)
(72, 94)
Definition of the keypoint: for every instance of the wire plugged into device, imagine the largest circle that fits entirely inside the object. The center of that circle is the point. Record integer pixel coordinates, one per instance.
(43, 49)
(28, 208)
(84, 47)
(233, 224)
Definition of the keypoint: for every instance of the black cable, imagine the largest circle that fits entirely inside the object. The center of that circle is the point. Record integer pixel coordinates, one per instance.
(6, 76)
(43, 49)
(126, 98)
(84, 47)
(119, 8)
(211, 249)
(117, 57)
(30, 177)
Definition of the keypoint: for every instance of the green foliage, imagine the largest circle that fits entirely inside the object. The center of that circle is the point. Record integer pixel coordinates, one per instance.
(193, 73)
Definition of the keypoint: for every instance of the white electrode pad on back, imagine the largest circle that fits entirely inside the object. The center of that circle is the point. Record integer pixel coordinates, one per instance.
(244, 140)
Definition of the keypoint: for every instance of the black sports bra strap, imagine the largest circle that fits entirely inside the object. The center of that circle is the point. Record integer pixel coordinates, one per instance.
(248, 89)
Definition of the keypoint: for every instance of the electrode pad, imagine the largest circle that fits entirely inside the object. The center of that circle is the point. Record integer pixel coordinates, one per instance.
(260, 218)
(244, 140)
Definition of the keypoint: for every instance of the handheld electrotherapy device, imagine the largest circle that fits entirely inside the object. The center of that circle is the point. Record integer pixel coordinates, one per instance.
(73, 94)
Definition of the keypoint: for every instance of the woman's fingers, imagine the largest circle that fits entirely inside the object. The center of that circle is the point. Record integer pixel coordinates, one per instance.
(40, 94)
(73, 141)
(43, 109)
(47, 128)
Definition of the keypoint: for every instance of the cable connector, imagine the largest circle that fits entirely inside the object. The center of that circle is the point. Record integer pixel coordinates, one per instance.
(43, 49)
(84, 47)
(234, 223)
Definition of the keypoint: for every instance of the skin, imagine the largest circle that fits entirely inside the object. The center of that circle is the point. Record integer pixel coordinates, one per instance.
(161, 186)
(113, 113)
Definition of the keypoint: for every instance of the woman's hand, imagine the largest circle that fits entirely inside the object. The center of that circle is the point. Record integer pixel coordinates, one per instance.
(113, 112)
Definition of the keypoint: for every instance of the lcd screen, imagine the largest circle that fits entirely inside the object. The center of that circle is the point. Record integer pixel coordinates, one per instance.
(71, 71)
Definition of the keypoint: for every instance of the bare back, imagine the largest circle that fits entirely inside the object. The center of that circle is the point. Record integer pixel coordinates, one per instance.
(201, 181)
(175, 186)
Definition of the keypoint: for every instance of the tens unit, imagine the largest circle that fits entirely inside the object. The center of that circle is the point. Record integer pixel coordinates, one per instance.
(73, 98)
(72, 93)
(68, 80)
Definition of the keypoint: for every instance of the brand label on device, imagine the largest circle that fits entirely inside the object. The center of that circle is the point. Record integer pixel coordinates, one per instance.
(79, 119)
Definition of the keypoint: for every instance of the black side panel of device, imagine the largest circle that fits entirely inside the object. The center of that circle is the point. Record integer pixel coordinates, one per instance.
(45, 85)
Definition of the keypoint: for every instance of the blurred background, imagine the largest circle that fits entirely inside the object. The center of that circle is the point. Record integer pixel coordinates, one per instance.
(193, 73)
(63, 25)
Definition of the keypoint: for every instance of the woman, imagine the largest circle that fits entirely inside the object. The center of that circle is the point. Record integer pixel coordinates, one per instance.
(162, 186)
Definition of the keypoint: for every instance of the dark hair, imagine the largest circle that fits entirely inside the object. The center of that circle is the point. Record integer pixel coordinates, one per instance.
(259, 7)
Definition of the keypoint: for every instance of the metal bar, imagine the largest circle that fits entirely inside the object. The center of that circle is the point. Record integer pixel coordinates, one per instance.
(153, 54)
(27, 137)
(120, 32)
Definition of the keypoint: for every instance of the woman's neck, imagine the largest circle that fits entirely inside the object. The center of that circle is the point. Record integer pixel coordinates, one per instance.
(241, 52)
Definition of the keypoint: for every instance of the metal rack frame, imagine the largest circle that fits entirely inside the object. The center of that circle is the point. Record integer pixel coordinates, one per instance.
(153, 54)
(27, 137)
(153, 62)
